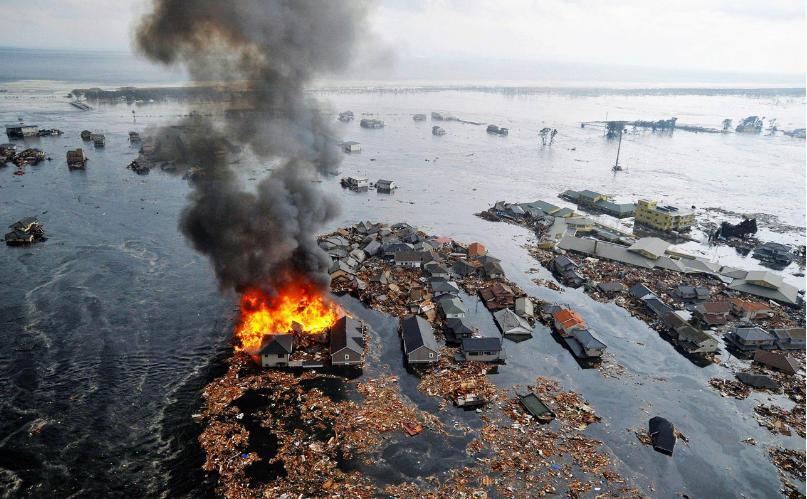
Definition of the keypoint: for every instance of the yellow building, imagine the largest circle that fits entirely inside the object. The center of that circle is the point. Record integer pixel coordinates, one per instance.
(664, 218)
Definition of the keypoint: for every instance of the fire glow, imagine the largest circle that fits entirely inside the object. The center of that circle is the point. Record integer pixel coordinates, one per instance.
(299, 302)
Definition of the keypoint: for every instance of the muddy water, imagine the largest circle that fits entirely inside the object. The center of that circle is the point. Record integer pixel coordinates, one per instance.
(112, 326)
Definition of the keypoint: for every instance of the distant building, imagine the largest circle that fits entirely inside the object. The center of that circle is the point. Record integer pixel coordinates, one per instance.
(664, 218)
(276, 350)
(21, 130)
(419, 344)
(594, 201)
(356, 183)
(775, 254)
(370, 123)
(385, 185)
(650, 247)
(351, 146)
(347, 342)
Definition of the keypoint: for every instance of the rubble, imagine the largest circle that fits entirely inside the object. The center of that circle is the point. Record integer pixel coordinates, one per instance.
(139, 168)
(789, 461)
(778, 420)
(731, 388)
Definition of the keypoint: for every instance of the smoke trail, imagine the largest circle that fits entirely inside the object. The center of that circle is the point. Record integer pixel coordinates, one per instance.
(271, 49)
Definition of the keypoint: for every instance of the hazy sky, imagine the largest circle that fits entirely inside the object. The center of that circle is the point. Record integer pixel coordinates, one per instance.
(765, 36)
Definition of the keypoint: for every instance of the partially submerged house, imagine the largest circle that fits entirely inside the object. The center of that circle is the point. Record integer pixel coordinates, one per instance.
(411, 258)
(441, 287)
(583, 344)
(691, 294)
(451, 307)
(347, 342)
(751, 338)
(385, 185)
(276, 349)
(21, 130)
(524, 307)
(767, 285)
(565, 269)
(688, 337)
(775, 254)
(25, 231)
(356, 183)
(497, 296)
(482, 349)
(747, 310)
(713, 313)
(457, 330)
(566, 320)
(511, 325)
(790, 339)
(536, 407)
(419, 344)
(351, 146)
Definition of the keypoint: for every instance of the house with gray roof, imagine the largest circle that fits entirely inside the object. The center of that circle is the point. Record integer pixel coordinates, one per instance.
(347, 342)
(511, 325)
(583, 344)
(751, 338)
(482, 350)
(276, 349)
(442, 287)
(458, 329)
(419, 344)
(451, 307)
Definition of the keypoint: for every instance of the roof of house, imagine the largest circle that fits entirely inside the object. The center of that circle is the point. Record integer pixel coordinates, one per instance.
(445, 287)
(785, 293)
(753, 334)
(714, 307)
(486, 344)
(764, 278)
(281, 344)
(510, 323)
(347, 333)
(493, 268)
(657, 306)
(459, 326)
(750, 306)
(778, 361)
(563, 261)
(412, 256)
(639, 290)
(568, 318)
(651, 247)
(587, 340)
(451, 305)
(476, 249)
(611, 287)
(416, 333)
(589, 194)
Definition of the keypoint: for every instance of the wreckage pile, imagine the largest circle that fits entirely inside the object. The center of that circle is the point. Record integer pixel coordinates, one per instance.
(25, 231)
(27, 157)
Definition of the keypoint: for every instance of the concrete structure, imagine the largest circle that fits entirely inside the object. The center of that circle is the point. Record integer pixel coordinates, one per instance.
(482, 349)
(419, 344)
(347, 342)
(664, 218)
(276, 349)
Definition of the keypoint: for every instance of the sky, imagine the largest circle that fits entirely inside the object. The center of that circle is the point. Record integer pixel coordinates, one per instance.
(511, 39)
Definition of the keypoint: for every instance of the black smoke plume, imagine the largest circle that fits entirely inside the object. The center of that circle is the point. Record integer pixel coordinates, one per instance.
(268, 50)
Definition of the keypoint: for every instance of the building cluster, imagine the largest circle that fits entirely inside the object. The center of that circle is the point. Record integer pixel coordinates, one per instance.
(346, 346)
(422, 279)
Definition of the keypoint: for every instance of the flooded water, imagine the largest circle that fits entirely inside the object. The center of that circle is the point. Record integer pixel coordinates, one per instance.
(113, 325)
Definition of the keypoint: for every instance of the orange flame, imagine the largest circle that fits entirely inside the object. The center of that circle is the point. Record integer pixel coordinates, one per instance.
(299, 302)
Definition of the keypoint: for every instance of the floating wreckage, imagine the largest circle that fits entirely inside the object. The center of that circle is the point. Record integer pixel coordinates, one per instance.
(500, 131)
(76, 159)
(419, 117)
(662, 435)
(345, 116)
(751, 124)
(25, 231)
(371, 123)
(438, 131)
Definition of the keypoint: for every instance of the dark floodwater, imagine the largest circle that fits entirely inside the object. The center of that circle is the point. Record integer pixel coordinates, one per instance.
(112, 326)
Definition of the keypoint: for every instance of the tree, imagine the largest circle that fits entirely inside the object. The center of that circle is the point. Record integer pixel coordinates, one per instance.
(727, 124)
(544, 133)
(552, 135)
